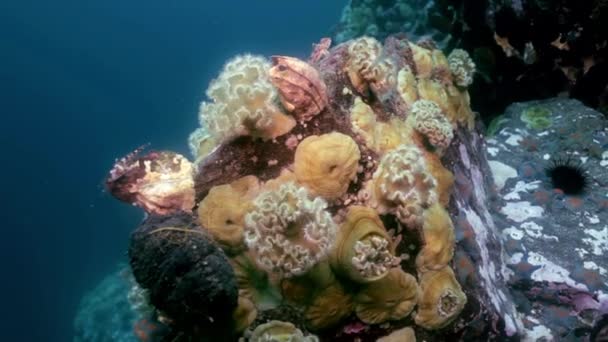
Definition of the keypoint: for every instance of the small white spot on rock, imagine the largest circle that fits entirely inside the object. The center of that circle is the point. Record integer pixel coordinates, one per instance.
(501, 172)
(521, 211)
(546, 156)
(514, 233)
(598, 240)
(514, 140)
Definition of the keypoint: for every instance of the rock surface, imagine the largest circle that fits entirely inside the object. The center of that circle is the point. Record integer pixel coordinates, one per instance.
(106, 314)
(556, 243)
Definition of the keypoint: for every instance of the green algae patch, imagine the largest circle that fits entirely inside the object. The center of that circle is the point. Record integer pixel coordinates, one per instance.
(536, 117)
(495, 125)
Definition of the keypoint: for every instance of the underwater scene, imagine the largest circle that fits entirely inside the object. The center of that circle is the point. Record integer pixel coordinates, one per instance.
(264, 171)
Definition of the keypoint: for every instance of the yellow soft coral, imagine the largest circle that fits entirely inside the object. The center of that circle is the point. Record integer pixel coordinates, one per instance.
(380, 137)
(288, 231)
(441, 299)
(222, 212)
(243, 102)
(363, 251)
(407, 86)
(428, 119)
(438, 237)
(326, 164)
(390, 298)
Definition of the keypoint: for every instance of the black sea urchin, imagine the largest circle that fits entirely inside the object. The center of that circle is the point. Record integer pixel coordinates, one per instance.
(568, 176)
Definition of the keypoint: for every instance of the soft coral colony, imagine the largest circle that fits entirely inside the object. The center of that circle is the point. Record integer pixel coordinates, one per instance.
(317, 196)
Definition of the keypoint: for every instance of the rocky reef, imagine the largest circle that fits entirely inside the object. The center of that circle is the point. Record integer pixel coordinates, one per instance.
(348, 197)
(524, 49)
(549, 160)
(321, 195)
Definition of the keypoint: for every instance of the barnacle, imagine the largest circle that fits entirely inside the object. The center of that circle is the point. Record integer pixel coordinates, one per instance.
(403, 186)
(278, 331)
(326, 164)
(363, 250)
(222, 211)
(288, 231)
(438, 237)
(462, 67)
(301, 90)
(390, 298)
(243, 102)
(428, 119)
(441, 299)
(159, 182)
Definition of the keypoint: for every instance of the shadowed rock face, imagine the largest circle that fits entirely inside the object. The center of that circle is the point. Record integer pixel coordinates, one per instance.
(556, 243)
(524, 50)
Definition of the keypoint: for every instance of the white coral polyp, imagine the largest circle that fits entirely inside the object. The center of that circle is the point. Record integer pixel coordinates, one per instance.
(462, 67)
(404, 186)
(242, 99)
(288, 231)
(429, 120)
(373, 258)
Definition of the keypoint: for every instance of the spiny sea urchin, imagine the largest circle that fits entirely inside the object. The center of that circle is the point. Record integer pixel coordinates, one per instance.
(568, 175)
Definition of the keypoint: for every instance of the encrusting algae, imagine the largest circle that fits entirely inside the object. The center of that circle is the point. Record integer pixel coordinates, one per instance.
(351, 144)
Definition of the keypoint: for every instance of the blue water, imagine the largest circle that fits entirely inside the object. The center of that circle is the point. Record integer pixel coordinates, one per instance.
(83, 82)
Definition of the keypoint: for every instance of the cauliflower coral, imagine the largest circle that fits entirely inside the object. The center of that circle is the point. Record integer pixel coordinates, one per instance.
(288, 231)
(429, 120)
(403, 186)
(244, 102)
(462, 67)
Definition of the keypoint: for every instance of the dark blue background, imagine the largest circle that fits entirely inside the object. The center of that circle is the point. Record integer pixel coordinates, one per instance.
(83, 82)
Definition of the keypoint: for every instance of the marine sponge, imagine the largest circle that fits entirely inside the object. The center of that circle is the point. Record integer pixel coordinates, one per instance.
(462, 67)
(403, 186)
(441, 299)
(390, 298)
(244, 102)
(326, 164)
(222, 212)
(187, 276)
(278, 331)
(428, 119)
(363, 252)
(438, 237)
(288, 231)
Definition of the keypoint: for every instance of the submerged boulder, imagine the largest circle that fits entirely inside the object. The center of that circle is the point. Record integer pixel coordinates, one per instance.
(550, 159)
